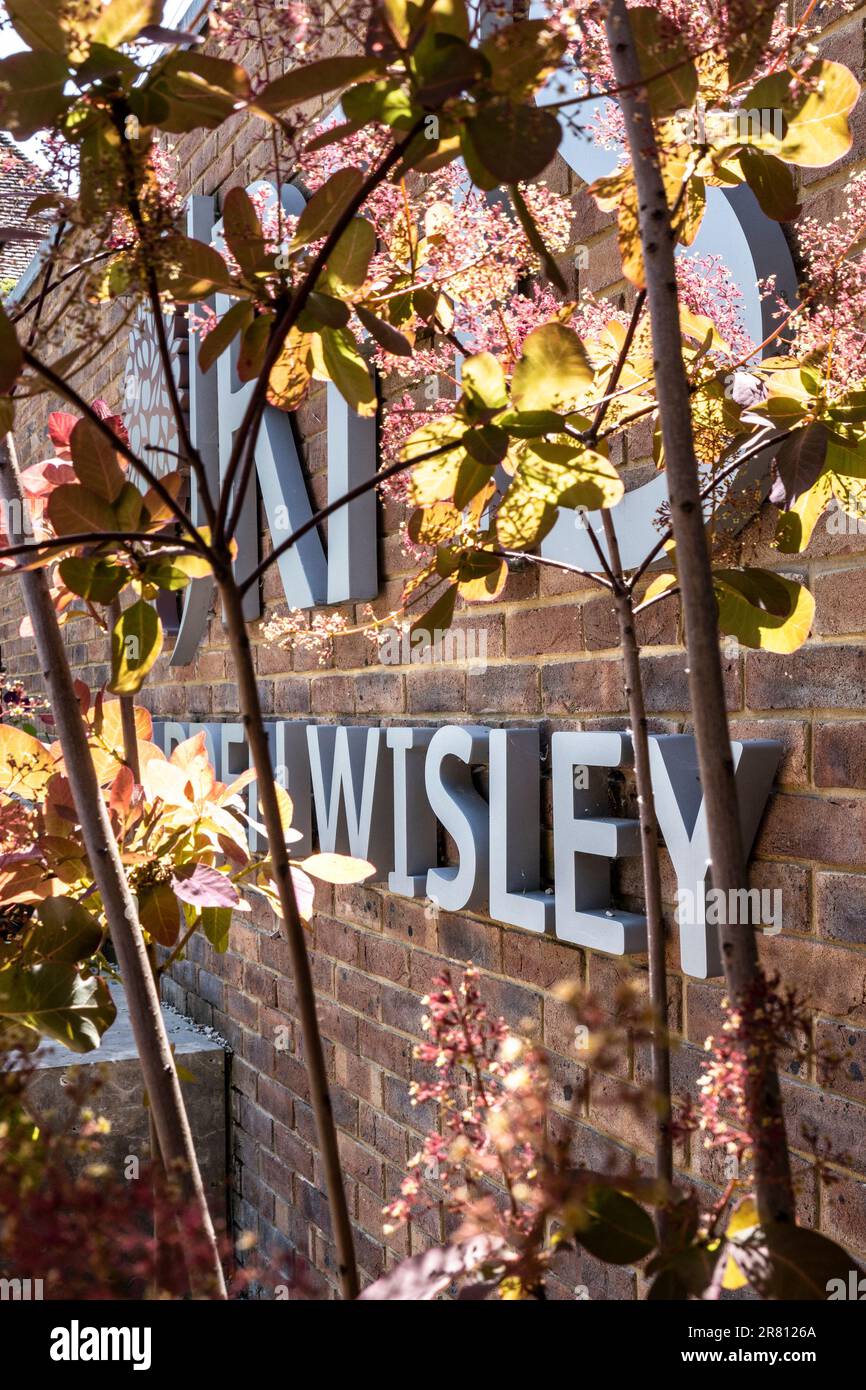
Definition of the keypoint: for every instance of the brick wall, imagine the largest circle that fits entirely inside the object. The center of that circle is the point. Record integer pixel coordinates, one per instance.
(553, 661)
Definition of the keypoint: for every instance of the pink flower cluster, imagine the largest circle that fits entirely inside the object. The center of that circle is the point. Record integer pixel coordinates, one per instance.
(488, 1161)
(751, 1040)
(832, 320)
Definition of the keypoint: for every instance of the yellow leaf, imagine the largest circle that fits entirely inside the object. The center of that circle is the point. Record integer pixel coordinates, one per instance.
(733, 1278)
(817, 132)
(660, 585)
(764, 610)
(26, 765)
(337, 868)
(744, 1219)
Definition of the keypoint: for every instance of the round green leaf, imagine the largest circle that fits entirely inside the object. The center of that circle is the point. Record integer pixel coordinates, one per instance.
(31, 92)
(817, 132)
(791, 1262)
(74, 510)
(348, 262)
(348, 370)
(326, 205)
(616, 1230)
(314, 80)
(55, 1000)
(553, 369)
(93, 577)
(514, 144)
(136, 642)
(68, 932)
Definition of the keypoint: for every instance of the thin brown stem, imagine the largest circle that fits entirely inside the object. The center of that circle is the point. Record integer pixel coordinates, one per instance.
(649, 832)
(737, 941)
(314, 1058)
(178, 543)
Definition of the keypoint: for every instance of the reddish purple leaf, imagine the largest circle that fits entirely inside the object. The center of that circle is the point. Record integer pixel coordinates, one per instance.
(203, 886)
(422, 1277)
(305, 892)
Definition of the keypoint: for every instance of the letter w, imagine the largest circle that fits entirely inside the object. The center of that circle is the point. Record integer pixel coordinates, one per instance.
(352, 792)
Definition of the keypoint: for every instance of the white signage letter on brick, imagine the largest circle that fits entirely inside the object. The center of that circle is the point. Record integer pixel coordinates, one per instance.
(414, 822)
(586, 840)
(682, 818)
(515, 831)
(463, 812)
(351, 780)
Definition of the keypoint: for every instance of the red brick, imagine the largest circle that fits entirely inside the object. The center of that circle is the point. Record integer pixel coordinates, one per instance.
(332, 695)
(622, 1110)
(383, 1135)
(571, 687)
(830, 979)
(413, 922)
(486, 631)
(358, 1077)
(365, 1167)
(402, 1009)
(276, 1099)
(841, 1052)
(566, 1083)
(292, 1151)
(843, 1210)
(422, 1117)
(436, 691)
(385, 958)
(500, 689)
(357, 991)
(539, 960)
(242, 1008)
(560, 1027)
(519, 1006)
(391, 1050)
(460, 938)
(292, 695)
(815, 677)
(655, 627)
(260, 983)
(839, 607)
(838, 1124)
(336, 1023)
(666, 682)
(830, 829)
(840, 754)
(703, 1010)
(378, 692)
(795, 885)
(355, 902)
(372, 1221)
(337, 939)
(549, 630)
(841, 907)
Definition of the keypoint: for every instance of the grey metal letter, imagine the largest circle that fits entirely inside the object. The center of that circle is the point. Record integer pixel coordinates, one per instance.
(585, 840)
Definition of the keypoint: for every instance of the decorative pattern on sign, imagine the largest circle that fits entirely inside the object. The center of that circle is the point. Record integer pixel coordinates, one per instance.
(146, 403)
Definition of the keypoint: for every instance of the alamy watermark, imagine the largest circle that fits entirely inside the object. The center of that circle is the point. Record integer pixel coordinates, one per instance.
(19, 518)
(754, 907)
(853, 1289)
(849, 520)
(21, 1290)
(702, 126)
(439, 646)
